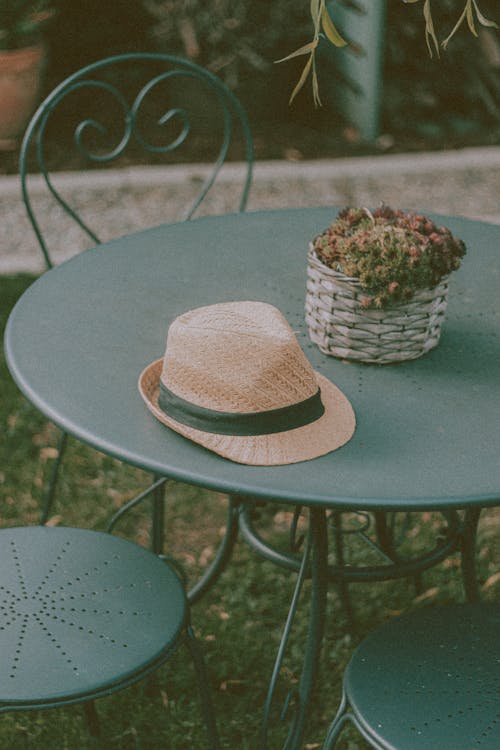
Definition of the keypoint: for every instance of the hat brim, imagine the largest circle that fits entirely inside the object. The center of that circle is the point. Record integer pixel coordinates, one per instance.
(326, 434)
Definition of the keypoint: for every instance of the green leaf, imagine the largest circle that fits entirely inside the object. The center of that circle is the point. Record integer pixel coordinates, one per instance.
(455, 29)
(315, 86)
(470, 17)
(430, 34)
(302, 79)
(305, 50)
(315, 9)
(482, 20)
(331, 31)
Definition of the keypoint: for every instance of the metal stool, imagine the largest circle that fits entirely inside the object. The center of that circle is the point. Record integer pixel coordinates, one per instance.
(428, 680)
(85, 614)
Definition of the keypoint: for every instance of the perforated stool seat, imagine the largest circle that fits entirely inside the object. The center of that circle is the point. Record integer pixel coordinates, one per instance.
(83, 614)
(429, 680)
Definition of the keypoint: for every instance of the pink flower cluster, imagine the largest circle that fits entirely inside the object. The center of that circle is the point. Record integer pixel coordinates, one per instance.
(390, 253)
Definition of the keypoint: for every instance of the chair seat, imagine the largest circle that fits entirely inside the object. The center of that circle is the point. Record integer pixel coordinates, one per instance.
(430, 680)
(83, 613)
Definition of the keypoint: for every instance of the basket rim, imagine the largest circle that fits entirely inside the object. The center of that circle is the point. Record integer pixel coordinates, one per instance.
(419, 293)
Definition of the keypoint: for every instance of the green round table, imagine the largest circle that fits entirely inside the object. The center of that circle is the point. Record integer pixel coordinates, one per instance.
(428, 430)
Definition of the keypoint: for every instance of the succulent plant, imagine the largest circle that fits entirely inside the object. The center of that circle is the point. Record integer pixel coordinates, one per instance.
(390, 253)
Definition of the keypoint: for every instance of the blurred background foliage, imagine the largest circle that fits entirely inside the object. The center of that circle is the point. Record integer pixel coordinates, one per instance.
(444, 102)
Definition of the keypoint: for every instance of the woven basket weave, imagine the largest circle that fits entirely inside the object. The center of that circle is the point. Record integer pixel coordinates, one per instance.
(342, 327)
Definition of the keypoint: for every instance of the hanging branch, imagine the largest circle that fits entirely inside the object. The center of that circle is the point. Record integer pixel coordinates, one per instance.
(471, 9)
(321, 22)
(324, 26)
(471, 6)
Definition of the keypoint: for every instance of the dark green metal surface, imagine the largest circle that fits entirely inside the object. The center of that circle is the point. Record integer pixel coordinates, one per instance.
(428, 431)
(430, 680)
(82, 614)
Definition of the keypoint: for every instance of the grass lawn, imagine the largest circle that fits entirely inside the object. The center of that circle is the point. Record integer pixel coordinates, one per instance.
(239, 622)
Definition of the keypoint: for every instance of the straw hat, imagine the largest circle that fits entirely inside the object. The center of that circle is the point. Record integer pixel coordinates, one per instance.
(235, 380)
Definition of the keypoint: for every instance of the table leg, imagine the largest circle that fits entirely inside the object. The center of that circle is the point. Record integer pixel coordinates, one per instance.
(158, 518)
(343, 586)
(156, 487)
(469, 573)
(314, 565)
(48, 501)
(223, 554)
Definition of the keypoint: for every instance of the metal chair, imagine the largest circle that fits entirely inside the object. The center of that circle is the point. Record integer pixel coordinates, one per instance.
(429, 679)
(85, 614)
(106, 109)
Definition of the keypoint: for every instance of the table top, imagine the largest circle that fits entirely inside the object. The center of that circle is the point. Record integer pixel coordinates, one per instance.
(428, 430)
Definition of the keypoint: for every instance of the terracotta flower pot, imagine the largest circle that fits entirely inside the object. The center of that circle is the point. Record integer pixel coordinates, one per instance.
(20, 77)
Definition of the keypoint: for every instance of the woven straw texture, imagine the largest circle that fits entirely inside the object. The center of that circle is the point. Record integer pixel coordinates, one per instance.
(342, 327)
(243, 357)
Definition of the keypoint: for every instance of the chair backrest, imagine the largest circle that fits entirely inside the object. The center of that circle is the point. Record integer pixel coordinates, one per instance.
(132, 103)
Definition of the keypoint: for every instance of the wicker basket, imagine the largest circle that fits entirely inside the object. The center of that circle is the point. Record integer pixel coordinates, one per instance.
(342, 327)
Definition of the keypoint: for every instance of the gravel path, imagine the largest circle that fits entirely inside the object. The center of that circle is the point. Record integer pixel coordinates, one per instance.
(115, 202)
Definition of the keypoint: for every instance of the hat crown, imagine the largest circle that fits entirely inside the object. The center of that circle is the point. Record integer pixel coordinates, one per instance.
(236, 357)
